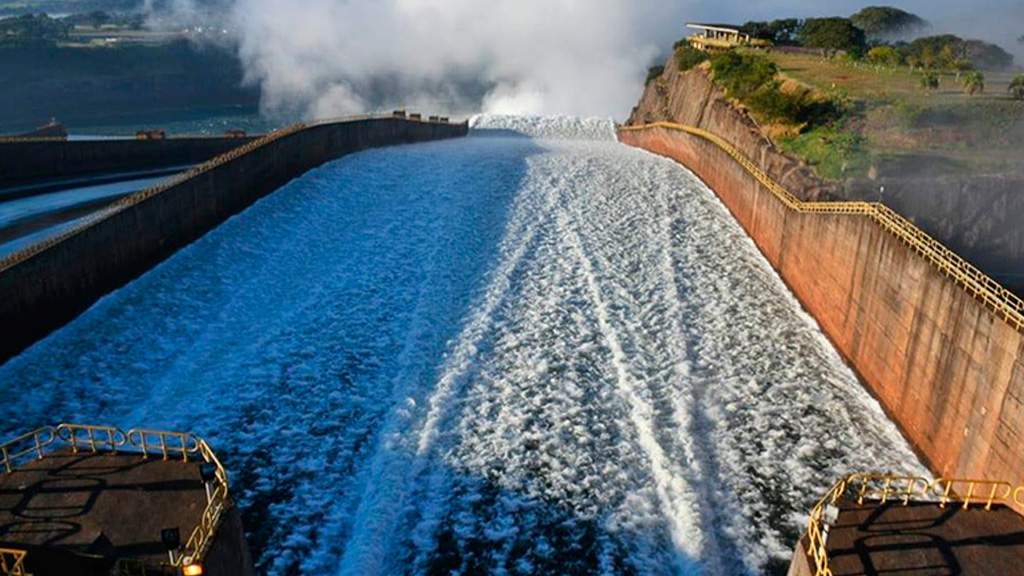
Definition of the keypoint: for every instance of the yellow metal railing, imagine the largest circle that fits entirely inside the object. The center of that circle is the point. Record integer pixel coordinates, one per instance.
(202, 535)
(43, 441)
(142, 195)
(133, 199)
(12, 562)
(994, 296)
(95, 438)
(905, 489)
(163, 443)
(33, 443)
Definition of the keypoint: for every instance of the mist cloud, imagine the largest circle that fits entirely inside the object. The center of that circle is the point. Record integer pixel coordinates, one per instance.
(322, 58)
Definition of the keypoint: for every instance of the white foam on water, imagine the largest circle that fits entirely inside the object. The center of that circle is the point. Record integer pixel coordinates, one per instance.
(548, 354)
(545, 127)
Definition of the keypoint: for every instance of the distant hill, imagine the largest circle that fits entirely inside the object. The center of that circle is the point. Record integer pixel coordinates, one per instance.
(21, 7)
(96, 85)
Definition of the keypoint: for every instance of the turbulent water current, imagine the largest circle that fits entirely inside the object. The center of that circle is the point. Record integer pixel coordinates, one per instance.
(530, 351)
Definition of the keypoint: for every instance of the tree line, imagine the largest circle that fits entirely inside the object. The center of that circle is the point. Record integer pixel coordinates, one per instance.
(879, 34)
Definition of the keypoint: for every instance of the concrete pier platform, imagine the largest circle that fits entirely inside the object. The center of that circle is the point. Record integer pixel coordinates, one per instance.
(920, 539)
(114, 505)
(83, 500)
(88, 510)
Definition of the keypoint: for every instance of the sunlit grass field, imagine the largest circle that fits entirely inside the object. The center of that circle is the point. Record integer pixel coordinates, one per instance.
(897, 126)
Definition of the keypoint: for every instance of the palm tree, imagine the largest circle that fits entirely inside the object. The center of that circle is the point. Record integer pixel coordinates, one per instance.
(974, 82)
(1017, 87)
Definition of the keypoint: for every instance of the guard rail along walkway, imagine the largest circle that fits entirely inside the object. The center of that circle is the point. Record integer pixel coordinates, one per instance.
(140, 196)
(40, 443)
(882, 488)
(993, 295)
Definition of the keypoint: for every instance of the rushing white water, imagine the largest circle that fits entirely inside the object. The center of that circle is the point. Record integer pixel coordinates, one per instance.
(508, 355)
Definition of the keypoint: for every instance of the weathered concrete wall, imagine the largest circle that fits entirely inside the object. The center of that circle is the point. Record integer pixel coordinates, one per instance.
(27, 162)
(228, 554)
(42, 292)
(947, 370)
(801, 564)
(977, 216)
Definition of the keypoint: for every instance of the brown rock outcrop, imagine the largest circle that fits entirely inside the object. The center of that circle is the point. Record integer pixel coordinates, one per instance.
(691, 98)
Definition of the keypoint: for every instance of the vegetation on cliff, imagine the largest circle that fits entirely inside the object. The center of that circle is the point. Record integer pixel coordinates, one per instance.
(687, 56)
(904, 121)
(873, 100)
(754, 80)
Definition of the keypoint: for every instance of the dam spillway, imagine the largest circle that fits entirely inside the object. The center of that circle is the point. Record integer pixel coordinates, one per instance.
(501, 354)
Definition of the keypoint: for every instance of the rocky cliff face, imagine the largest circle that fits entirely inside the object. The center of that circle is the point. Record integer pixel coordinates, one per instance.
(973, 215)
(691, 98)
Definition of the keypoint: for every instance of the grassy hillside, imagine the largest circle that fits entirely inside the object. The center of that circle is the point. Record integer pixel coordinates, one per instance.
(894, 126)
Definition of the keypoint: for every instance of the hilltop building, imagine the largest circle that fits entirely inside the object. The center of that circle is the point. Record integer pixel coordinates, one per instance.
(722, 37)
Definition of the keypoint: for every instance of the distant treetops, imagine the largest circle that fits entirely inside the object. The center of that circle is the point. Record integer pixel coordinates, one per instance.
(881, 34)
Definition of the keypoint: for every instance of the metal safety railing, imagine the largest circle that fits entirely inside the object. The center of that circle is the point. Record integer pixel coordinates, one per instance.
(202, 535)
(883, 488)
(12, 562)
(166, 444)
(142, 195)
(128, 201)
(44, 441)
(993, 295)
(93, 438)
(25, 446)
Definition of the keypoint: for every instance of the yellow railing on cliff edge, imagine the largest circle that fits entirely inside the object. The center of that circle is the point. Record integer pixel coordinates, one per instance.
(997, 298)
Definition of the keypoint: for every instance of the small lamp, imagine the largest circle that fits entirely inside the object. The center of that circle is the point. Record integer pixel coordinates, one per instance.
(171, 539)
(208, 474)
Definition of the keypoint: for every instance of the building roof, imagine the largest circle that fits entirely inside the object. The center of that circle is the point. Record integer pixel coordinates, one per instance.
(717, 27)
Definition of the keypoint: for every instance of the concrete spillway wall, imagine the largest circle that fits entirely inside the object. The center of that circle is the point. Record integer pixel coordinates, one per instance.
(47, 285)
(947, 366)
(26, 161)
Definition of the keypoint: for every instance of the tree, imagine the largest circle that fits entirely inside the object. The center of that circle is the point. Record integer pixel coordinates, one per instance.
(885, 22)
(832, 35)
(929, 59)
(930, 81)
(32, 29)
(743, 74)
(688, 57)
(987, 56)
(944, 51)
(1016, 88)
(783, 32)
(653, 73)
(884, 56)
(974, 82)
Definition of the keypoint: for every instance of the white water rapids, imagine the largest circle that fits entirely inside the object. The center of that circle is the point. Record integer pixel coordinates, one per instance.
(502, 355)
